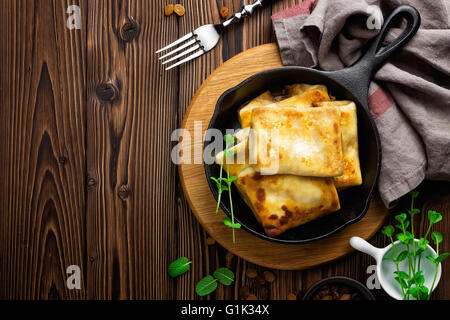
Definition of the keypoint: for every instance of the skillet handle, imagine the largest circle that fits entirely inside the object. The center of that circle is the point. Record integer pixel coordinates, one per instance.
(358, 76)
(377, 55)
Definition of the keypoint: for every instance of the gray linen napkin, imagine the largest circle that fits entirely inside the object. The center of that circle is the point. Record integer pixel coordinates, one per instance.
(410, 97)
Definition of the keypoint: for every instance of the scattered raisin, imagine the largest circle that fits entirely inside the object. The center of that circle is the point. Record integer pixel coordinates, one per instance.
(269, 276)
(292, 296)
(251, 297)
(210, 241)
(260, 280)
(168, 10)
(346, 296)
(224, 12)
(244, 292)
(179, 10)
(252, 273)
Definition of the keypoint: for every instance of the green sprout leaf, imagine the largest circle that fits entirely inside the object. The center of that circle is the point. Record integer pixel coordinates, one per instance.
(206, 286)
(179, 267)
(402, 275)
(419, 252)
(222, 188)
(229, 140)
(414, 194)
(405, 238)
(402, 282)
(405, 225)
(419, 279)
(232, 179)
(432, 259)
(225, 276)
(227, 221)
(230, 153)
(423, 244)
(388, 231)
(413, 291)
(402, 256)
(434, 216)
(413, 212)
(401, 217)
(441, 258)
(437, 237)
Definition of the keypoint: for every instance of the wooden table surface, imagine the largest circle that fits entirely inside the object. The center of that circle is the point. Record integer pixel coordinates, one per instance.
(85, 172)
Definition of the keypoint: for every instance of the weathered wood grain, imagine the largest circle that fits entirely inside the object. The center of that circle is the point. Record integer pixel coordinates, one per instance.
(42, 204)
(85, 170)
(131, 203)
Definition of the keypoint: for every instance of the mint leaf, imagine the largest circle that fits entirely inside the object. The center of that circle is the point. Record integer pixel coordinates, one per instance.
(225, 276)
(206, 286)
(179, 267)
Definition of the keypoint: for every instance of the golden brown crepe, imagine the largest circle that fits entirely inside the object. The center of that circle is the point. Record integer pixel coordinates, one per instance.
(303, 96)
(246, 111)
(349, 128)
(304, 142)
(280, 202)
(283, 202)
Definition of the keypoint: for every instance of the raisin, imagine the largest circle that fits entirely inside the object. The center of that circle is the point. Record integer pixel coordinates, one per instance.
(269, 276)
(292, 296)
(210, 241)
(252, 273)
(168, 10)
(224, 12)
(179, 10)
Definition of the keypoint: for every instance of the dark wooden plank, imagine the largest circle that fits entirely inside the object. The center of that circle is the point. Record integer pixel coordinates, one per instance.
(131, 204)
(191, 237)
(42, 142)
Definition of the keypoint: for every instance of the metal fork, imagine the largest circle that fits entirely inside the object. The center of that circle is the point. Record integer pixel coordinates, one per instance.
(204, 38)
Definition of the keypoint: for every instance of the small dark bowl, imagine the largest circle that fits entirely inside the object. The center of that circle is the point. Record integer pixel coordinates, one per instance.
(358, 287)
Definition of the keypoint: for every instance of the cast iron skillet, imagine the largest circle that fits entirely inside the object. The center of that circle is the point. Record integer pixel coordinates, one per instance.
(347, 84)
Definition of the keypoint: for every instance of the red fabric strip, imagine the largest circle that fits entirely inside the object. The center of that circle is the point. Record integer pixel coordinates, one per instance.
(302, 8)
(379, 102)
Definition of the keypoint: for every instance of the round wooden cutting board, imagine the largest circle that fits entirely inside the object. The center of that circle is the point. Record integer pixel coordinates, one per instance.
(203, 204)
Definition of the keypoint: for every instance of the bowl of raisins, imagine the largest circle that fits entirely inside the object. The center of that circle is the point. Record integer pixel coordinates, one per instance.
(338, 288)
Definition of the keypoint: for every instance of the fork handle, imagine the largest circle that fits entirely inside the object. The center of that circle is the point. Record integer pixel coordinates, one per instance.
(246, 11)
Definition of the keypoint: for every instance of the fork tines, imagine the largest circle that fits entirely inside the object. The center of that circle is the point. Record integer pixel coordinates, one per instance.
(188, 43)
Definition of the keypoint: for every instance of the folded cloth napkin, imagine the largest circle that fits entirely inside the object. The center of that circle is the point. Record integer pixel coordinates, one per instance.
(410, 97)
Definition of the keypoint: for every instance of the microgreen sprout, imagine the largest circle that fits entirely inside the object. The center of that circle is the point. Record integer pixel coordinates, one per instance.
(412, 282)
(229, 154)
